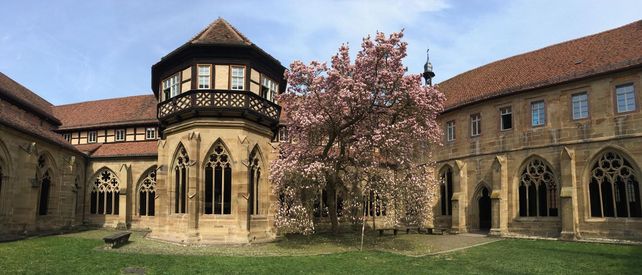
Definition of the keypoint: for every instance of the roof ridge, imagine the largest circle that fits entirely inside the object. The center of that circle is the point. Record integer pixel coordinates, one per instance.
(639, 22)
(104, 99)
(37, 95)
(209, 28)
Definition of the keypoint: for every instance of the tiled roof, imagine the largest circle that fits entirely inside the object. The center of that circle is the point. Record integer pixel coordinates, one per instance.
(120, 149)
(108, 112)
(612, 50)
(20, 95)
(220, 32)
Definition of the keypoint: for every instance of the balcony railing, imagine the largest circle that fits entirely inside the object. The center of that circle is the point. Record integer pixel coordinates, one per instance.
(223, 103)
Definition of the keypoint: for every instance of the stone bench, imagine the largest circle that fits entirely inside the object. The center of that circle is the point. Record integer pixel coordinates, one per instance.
(117, 239)
(395, 230)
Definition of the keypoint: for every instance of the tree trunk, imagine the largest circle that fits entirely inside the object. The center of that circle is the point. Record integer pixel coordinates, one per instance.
(331, 190)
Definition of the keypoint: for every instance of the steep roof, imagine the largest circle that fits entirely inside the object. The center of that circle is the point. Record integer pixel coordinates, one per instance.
(612, 50)
(21, 96)
(17, 107)
(120, 149)
(220, 32)
(108, 112)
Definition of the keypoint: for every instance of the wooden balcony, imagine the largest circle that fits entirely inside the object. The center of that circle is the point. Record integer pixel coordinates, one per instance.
(219, 103)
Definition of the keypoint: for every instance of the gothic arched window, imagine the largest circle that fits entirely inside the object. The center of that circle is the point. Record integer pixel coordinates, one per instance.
(254, 180)
(446, 191)
(105, 194)
(614, 189)
(537, 190)
(1, 177)
(180, 180)
(218, 182)
(44, 180)
(147, 194)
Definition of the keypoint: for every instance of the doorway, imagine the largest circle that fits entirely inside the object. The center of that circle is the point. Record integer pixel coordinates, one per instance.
(484, 210)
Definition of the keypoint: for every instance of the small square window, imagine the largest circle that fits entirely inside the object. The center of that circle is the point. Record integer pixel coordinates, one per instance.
(120, 135)
(91, 137)
(625, 96)
(580, 105)
(475, 125)
(506, 120)
(171, 86)
(450, 130)
(150, 133)
(538, 113)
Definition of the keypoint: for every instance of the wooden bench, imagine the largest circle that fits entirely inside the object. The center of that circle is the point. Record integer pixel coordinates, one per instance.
(117, 239)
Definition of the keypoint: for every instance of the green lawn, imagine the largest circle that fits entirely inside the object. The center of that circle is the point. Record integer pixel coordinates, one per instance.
(83, 254)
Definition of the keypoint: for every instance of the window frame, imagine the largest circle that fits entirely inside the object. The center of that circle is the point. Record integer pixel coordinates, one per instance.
(588, 106)
(209, 76)
(232, 77)
(95, 135)
(67, 137)
(451, 130)
(178, 83)
(501, 118)
(541, 124)
(124, 137)
(615, 97)
(148, 130)
(478, 121)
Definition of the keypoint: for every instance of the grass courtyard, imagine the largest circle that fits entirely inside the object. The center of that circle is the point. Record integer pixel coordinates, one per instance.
(84, 253)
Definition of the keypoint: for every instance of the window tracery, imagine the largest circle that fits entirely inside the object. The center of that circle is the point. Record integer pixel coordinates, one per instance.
(537, 190)
(147, 194)
(218, 182)
(614, 188)
(105, 194)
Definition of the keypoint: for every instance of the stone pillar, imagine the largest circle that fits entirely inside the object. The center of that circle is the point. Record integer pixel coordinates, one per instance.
(499, 197)
(193, 147)
(568, 195)
(459, 200)
(125, 187)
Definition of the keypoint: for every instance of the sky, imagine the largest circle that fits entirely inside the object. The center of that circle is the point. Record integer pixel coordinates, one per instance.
(72, 51)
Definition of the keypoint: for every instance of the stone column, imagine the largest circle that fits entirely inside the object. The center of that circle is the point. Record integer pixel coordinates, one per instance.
(568, 195)
(460, 195)
(499, 197)
(125, 187)
(193, 183)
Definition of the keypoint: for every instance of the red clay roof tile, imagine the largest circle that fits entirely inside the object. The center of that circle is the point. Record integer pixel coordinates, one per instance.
(108, 112)
(607, 51)
(120, 149)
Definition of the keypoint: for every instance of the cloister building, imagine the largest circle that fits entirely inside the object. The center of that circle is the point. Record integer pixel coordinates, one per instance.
(545, 143)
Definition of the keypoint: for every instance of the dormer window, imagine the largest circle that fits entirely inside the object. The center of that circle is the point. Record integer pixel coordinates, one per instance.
(91, 137)
(150, 133)
(120, 135)
(171, 86)
(204, 76)
(238, 78)
(268, 88)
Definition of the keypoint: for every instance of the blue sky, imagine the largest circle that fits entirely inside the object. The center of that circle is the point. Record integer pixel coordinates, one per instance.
(71, 51)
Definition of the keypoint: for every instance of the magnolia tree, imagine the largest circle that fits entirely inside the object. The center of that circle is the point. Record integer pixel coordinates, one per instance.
(356, 127)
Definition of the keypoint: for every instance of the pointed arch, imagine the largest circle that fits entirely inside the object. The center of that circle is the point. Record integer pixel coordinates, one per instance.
(537, 188)
(255, 181)
(482, 205)
(218, 180)
(613, 184)
(104, 192)
(218, 141)
(146, 192)
(446, 189)
(179, 167)
(45, 167)
(5, 168)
